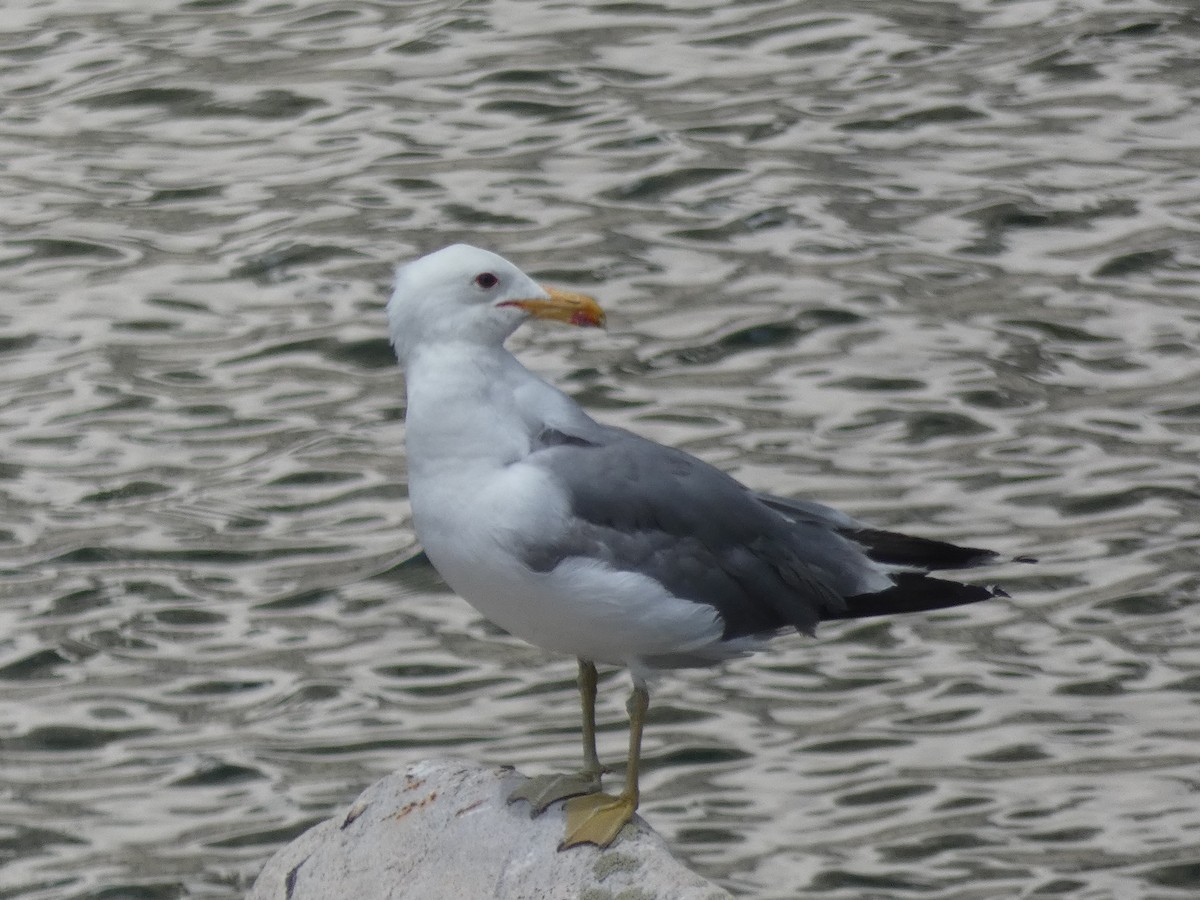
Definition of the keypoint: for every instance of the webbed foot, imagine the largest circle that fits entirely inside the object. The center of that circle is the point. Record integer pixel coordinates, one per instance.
(543, 790)
(597, 819)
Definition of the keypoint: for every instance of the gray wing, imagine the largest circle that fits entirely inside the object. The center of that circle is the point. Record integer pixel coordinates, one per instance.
(643, 507)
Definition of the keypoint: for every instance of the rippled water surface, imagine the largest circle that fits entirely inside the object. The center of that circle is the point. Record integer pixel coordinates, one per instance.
(934, 262)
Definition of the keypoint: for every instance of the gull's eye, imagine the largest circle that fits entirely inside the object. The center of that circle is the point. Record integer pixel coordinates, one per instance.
(486, 280)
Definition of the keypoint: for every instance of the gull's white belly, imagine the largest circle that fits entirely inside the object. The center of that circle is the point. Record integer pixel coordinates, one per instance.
(474, 526)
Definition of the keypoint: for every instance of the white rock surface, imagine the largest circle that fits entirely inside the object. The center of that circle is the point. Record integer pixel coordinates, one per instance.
(443, 830)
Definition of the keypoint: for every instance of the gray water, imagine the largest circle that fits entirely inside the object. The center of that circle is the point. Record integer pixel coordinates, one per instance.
(937, 263)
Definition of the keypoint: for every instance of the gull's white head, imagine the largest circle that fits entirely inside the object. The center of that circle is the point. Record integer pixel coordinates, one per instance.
(462, 294)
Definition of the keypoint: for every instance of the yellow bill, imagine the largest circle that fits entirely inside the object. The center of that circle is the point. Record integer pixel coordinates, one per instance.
(563, 306)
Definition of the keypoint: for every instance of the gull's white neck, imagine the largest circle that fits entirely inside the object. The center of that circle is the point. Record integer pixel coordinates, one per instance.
(471, 406)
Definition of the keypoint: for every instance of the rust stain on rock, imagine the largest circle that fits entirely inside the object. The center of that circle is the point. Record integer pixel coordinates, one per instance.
(416, 804)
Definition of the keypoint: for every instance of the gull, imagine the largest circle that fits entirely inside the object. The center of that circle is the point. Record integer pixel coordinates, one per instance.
(590, 540)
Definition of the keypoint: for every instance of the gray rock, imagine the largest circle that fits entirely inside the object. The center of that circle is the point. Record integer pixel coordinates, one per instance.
(443, 830)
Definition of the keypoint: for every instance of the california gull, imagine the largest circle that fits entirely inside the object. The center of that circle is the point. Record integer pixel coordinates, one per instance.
(589, 540)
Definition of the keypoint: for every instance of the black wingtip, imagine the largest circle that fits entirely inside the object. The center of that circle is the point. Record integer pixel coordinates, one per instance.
(915, 592)
(893, 548)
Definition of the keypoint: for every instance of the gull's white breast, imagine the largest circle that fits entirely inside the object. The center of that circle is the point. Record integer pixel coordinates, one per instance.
(474, 523)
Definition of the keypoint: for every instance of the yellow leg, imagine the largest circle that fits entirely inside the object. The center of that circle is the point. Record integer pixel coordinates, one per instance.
(546, 789)
(598, 818)
(587, 703)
